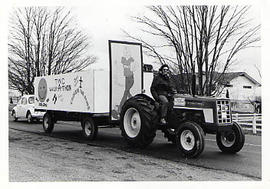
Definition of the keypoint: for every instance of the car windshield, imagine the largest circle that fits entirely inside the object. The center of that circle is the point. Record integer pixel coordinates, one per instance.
(31, 100)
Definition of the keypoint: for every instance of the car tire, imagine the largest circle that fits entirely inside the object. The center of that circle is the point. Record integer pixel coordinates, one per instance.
(13, 114)
(29, 117)
(232, 141)
(47, 123)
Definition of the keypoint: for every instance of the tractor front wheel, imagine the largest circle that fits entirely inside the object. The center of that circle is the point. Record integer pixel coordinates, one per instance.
(231, 141)
(190, 139)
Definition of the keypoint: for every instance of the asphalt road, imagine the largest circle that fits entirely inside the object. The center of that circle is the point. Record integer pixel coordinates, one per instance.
(246, 163)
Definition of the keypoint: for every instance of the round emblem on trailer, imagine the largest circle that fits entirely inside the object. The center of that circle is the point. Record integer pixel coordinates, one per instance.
(42, 90)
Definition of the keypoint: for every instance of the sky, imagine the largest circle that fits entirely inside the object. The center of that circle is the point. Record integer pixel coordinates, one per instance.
(103, 23)
(106, 22)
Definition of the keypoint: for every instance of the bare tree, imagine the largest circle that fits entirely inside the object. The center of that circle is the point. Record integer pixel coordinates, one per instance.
(44, 41)
(205, 40)
(257, 67)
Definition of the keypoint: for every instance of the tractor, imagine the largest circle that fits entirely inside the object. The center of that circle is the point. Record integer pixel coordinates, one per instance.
(189, 117)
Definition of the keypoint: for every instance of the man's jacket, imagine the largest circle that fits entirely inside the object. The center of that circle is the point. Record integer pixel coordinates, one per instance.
(161, 86)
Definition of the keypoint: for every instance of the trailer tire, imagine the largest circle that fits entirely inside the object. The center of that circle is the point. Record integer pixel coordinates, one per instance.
(231, 142)
(137, 121)
(48, 123)
(190, 139)
(170, 135)
(90, 130)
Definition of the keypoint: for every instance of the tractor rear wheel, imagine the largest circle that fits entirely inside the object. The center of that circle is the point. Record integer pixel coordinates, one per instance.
(137, 121)
(190, 139)
(231, 141)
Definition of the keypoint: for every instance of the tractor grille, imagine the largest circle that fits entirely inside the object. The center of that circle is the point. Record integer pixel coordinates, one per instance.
(223, 111)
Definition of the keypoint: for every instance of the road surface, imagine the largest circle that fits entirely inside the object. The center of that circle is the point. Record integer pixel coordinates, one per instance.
(159, 161)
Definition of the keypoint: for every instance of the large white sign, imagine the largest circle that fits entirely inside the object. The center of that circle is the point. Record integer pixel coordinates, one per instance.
(126, 74)
(73, 92)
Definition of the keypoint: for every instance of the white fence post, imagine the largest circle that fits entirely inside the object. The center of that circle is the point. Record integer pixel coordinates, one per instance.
(254, 124)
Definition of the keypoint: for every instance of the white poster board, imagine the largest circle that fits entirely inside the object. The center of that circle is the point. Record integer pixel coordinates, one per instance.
(125, 74)
(85, 91)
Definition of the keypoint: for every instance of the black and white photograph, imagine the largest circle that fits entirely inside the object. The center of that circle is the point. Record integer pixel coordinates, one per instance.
(123, 92)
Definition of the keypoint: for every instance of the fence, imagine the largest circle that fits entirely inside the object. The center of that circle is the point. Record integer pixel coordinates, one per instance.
(249, 121)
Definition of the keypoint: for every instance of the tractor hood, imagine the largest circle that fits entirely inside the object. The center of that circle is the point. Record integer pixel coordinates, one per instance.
(196, 101)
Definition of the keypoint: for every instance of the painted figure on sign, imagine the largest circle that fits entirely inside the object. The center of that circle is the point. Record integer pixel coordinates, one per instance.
(127, 62)
(42, 90)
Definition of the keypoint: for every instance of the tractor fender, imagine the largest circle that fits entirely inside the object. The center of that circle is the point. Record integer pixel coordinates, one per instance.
(152, 101)
(147, 97)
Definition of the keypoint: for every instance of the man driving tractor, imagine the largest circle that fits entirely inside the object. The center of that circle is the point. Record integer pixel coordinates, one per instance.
(162, 89)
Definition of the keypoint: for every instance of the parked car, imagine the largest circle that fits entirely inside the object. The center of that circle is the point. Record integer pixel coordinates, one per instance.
(25, 109)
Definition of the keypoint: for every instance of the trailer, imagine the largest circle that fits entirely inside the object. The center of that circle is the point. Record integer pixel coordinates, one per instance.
(121, 97)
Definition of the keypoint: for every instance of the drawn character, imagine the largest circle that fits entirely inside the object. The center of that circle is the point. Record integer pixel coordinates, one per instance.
(42, 90)
(127, 62)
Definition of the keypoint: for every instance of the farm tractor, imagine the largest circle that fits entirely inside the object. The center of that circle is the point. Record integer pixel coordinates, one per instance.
(189, 119)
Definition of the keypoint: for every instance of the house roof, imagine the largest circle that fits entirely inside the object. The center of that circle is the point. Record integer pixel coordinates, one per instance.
(227, 77)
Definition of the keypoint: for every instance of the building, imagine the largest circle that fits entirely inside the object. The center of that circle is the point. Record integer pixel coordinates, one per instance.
(240, 86)
(242, 89)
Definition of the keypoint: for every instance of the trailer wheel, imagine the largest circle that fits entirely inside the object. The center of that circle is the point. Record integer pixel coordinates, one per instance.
(231, 141)
(137, 121)
(190, 139)
(170, 135)
(90, 130)
(48, 123)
